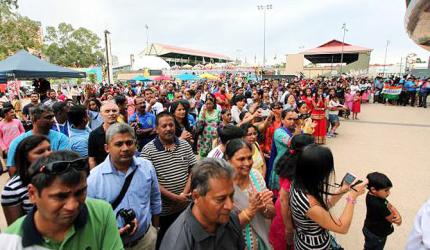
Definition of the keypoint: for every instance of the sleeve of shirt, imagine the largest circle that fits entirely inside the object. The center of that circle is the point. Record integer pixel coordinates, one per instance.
(21, 127)
(192, 160)
(425, 223)
(145, 153)
(155, 194)
(63, 143)
(2, 144)
(111, 238)
(11, 153)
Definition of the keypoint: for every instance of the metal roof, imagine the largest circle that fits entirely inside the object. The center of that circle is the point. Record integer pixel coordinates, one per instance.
(164, 49)
(335, 47)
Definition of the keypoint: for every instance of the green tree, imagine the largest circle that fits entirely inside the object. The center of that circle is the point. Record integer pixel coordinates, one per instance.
(72, 48)
(16, 31)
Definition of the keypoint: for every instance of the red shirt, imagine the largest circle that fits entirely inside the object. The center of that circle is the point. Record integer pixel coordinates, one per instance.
(223, 97)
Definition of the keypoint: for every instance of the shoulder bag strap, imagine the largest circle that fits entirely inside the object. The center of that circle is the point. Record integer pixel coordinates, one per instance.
(124, 189)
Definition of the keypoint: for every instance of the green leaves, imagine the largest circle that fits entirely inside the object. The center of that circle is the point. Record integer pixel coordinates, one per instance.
(72, 48)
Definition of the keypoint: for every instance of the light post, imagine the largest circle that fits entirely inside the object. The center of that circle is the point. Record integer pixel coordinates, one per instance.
(343, 41)
(264, 8)
(385, 58)
(147, 39)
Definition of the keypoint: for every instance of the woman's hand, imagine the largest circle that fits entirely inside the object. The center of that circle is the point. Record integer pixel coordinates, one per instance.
(255, 203)
(186, 135)
(358, 189)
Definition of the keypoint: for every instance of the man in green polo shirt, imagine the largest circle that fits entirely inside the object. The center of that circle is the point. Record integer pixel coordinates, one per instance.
(63, 218)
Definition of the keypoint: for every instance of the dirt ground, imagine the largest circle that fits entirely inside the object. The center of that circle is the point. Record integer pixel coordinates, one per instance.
(389, 139)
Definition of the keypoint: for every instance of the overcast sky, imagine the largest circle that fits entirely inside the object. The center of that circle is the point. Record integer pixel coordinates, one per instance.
(235, 27)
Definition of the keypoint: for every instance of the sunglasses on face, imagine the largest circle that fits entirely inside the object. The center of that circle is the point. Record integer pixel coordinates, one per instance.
(59, 167)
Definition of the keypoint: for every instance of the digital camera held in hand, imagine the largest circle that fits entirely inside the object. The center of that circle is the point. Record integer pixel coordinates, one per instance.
(128, 215)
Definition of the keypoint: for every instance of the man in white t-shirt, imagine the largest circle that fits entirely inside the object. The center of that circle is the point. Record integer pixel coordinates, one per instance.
(153, 106)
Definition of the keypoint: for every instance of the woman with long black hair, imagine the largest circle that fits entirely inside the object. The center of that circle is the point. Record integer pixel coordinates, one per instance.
(311, 199)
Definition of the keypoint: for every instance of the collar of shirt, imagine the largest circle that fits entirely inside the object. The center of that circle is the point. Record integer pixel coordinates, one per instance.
(109, 168)
(30, 235)
(159, 145)
(197, 230)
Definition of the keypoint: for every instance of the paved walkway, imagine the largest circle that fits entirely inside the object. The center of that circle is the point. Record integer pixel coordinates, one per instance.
(389, 139)
(392, 140)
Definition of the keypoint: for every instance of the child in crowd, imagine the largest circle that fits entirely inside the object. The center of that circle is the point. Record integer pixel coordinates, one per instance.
(380, 214)
(356, 105)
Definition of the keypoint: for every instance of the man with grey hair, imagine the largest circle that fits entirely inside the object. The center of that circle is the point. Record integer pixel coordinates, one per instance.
(130, 184)
(208, 223)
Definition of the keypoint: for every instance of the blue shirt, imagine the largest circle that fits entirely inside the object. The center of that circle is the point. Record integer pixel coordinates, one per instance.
(410, 86)
(79, 140)
(146, 120)
(62, 128)
(143, 194)
(58, 142)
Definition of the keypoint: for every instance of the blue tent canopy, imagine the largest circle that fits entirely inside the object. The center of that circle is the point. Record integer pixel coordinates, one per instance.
(24, 65)
(141, 78)
(187, 77)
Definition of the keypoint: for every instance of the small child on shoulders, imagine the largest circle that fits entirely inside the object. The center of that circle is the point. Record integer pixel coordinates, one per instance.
(381, 214)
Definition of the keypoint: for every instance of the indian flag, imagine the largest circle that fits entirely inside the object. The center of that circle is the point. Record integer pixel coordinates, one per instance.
(391, 92)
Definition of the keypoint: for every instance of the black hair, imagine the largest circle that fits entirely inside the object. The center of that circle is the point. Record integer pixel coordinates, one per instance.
(313, 171)
(285, 112)
(378, 181)
(96, 101)
(229, 132)
(239, 98)
(120, 100)
(71, 177)
(76, 115)
(246, 126)
(58, 107)
(211, 97)
(21, 155)
(37, 111)
(233, 146)
(161, 115)
(286, 165)
(242, 115)
(173, 107)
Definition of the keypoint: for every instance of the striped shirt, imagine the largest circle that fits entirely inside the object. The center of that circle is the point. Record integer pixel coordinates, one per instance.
(308, 233)
(15, 193)
(172, 169)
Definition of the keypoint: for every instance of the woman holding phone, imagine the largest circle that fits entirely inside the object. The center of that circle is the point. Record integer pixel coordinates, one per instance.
(311, 199)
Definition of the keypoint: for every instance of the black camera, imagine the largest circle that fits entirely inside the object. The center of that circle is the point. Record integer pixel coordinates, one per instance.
(128, 216)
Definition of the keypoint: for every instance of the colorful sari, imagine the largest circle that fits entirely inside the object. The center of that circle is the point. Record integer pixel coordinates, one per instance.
(318, 116)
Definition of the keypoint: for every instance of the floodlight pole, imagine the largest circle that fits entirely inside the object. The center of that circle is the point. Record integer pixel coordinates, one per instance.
(385, 58)
(264, 8)
(343, 41)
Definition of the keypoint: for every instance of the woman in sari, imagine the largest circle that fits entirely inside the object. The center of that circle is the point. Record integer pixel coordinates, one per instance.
(318, 116)
(252, 200)
(207, 124)
(250, 137)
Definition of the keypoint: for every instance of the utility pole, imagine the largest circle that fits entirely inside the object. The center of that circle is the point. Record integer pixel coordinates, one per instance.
(108, 57)
(343, 41)
(264, 8)
(385, 58)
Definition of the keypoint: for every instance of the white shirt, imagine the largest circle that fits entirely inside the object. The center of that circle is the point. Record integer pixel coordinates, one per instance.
(156, 108)
(331, 104)
(216, 153)
(235, 113)
(419, 238)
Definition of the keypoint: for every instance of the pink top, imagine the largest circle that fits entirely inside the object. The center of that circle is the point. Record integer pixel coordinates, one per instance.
(9, 131)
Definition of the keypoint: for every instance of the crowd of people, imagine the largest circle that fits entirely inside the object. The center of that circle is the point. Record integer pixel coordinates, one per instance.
(220, 164)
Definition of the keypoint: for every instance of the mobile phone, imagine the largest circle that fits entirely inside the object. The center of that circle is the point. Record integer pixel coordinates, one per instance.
(349, 178)
(265, 112)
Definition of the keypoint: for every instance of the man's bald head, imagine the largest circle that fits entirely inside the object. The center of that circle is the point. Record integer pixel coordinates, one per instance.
(109, 112)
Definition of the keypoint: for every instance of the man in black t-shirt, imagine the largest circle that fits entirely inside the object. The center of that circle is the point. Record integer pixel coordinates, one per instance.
(34, 101)
(97, 139)
(380, 214)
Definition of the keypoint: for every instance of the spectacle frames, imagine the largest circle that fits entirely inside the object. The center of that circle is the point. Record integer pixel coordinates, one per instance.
(59, 167)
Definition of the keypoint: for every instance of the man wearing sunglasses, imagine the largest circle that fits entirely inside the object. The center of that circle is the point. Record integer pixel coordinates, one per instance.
(142, 196)
(42, 118)
(63, 218)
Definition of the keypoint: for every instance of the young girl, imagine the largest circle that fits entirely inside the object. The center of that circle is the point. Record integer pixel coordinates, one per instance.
(349, 99)
(356, 106)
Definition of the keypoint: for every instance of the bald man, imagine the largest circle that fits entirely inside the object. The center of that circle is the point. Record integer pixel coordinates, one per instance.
(96, 142)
